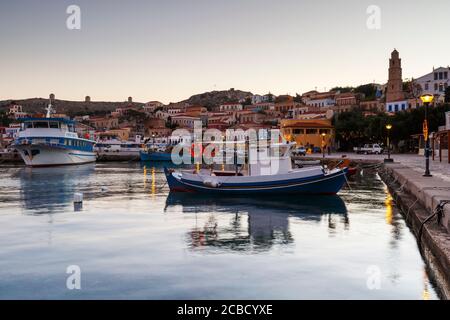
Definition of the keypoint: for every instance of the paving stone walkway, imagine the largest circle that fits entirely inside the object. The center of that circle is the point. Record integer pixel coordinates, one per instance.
(415, 162)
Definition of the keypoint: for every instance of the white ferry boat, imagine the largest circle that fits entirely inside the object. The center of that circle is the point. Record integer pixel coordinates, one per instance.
(52, 142)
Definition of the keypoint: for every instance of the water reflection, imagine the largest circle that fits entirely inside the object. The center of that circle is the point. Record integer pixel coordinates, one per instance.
(426, 291)
(51, 189)
(246, 224)
(190, 246)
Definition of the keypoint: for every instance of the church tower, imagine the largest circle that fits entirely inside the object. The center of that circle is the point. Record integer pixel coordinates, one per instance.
(395, 82)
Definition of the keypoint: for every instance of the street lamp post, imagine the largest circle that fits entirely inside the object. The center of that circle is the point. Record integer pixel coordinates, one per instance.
(388, 128)
(323, 144)
(426, 99)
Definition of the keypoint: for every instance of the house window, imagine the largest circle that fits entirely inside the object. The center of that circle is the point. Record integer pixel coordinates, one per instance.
(441, 87)
(435, 87)
(311, 131)
(403, 106)
(390, 108)
(427, 87)
(445, 75)
(435, 76)
(440, 75)
(396, 108)
(299, 131)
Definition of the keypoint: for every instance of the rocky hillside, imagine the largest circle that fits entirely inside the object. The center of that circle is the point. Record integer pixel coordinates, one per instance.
(71, 108)
(74, 108)
(215, 98)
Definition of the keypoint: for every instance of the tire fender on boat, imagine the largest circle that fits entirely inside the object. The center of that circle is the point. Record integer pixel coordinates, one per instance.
(213, 183)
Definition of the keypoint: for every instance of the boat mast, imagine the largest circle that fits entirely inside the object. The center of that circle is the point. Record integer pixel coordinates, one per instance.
(235, 156)
(49, 108)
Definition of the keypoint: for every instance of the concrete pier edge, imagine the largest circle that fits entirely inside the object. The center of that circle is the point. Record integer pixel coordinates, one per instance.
(417, 198)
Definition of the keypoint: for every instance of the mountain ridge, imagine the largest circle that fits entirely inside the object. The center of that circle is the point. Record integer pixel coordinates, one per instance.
(207, 99)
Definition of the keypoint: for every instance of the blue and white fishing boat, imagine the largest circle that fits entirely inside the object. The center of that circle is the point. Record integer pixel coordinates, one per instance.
(52, 142)
(156, 153)
(273, 175)
(159, 151)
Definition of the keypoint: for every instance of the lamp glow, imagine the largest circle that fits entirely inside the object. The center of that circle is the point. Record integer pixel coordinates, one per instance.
(427, 98)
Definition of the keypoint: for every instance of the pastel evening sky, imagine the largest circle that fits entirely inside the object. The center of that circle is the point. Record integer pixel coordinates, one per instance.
(168, 50)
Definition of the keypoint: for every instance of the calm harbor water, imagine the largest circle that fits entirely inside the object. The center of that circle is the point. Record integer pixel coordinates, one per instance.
(132, 240)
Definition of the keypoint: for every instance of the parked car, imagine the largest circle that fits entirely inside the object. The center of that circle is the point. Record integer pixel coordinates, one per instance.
(317, 150)
(369, 149)
(300, 151)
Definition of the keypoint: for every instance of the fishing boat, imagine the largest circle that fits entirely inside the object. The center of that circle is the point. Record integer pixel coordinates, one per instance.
(160, 151)
(156, 153)
(52, 141)
(272, 173)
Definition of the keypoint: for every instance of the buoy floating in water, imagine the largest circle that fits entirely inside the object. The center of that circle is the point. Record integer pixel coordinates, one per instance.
(78, 201)
(78, 198)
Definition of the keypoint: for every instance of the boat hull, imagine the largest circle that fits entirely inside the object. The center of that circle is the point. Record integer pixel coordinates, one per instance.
(118, 155)
(45, 156)
(318, 184)
(155, 156)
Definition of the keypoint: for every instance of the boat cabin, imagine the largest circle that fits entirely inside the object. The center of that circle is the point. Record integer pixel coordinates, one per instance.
(56, 127)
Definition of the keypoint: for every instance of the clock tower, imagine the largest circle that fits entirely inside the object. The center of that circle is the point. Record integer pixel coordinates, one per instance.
(394, 88)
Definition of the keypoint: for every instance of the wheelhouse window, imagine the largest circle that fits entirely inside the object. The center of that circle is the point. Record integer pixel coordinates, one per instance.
(54, 124)
(40, 125)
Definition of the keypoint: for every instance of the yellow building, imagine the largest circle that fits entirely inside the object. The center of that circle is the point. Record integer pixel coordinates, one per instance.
(122, 134)
(308, 133)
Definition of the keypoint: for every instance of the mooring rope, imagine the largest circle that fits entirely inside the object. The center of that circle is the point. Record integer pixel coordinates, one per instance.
(409, 208)
(438, 211)
(348, 183)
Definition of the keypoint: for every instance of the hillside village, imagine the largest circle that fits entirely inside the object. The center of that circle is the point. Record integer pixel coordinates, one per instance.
(305, 118)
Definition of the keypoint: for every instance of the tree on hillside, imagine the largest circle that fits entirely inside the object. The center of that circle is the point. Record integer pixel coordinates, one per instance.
(412, 88)
(298, 98)
(447, 95)
(369, 91)
(342, 89)
(4, 119)
(350, 128)
(247, 101)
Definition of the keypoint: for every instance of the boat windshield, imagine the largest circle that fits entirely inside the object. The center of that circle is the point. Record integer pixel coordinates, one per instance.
(41, 125)
(54, 124)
